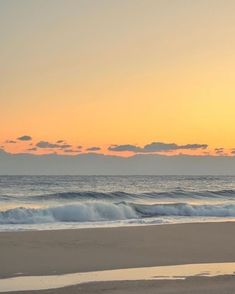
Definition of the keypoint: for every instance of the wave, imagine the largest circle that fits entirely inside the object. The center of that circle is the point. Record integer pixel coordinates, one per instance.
(180, 193)
(107, 211)
(82, 212)
(184, 209)
(92, 195)
(119, 195)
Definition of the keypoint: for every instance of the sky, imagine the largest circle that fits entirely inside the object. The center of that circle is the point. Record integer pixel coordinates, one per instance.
(114, 77)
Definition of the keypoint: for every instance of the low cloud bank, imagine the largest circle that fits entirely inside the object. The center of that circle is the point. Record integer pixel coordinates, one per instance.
(156, 147)
(99, 164)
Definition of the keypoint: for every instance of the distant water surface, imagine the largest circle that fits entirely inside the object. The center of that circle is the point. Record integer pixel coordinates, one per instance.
(64, 202)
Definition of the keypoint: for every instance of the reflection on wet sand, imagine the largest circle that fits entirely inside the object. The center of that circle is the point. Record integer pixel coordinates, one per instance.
(27, 283)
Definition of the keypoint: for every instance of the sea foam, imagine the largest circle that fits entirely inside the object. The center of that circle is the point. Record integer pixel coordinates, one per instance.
(106, 211)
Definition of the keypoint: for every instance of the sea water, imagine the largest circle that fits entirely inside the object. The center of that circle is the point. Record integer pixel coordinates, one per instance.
(65, 202)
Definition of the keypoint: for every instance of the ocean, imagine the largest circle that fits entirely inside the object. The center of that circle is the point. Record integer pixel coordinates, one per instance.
(67, 202)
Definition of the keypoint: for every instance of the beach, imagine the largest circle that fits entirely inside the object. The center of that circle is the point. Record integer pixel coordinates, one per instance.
(117, 147)
(84, 250)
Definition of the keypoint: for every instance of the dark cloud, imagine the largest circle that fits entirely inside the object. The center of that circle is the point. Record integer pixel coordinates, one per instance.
(64, 146)
(156, 147)
(159, 146)
(71, 151)
(46, 145)
(219, 150)
(127, 147)
(10, 142)
(33, 149)
(93, 148)
(24, 138)
(100, 164)
(193, 146)
(60, 141)
(79, 147)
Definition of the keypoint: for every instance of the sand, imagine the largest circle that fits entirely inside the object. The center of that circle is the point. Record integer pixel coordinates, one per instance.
(69, 251)
(221, 285)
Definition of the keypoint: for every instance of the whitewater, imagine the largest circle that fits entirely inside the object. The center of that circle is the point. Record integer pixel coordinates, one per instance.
(65, 202)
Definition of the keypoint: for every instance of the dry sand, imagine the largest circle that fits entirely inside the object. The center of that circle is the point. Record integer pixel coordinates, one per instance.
(69, 251)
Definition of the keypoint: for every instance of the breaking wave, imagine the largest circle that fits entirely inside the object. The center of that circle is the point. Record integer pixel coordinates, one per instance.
(82, 212)
(106, 211)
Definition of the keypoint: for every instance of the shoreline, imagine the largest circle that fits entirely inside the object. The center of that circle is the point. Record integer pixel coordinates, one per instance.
(111, 226)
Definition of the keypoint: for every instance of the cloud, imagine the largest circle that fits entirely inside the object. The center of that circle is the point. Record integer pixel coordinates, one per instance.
(10, 141)
(93, 148)
(219, 150)
(127, 147)
(156, 147)
(33, 149)
(100, 164)
(193, 146)
(159, 146)
(79, 147)
(24, 138)
(71, 151)
(60, 141)
(64, 146)
(46, 144)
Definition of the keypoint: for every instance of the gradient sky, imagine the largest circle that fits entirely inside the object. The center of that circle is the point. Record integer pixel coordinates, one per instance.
(97, 73)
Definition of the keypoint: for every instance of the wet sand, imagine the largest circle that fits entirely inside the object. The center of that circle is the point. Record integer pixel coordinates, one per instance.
(70, 251)
(219, 285)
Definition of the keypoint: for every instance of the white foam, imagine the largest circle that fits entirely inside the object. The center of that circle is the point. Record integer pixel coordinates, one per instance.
(97, 211)
(80, 212)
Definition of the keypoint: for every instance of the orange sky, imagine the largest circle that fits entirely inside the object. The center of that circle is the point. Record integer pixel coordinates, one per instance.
(97, 73)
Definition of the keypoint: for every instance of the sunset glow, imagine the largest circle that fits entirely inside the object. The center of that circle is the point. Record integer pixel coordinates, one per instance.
(121, 72)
